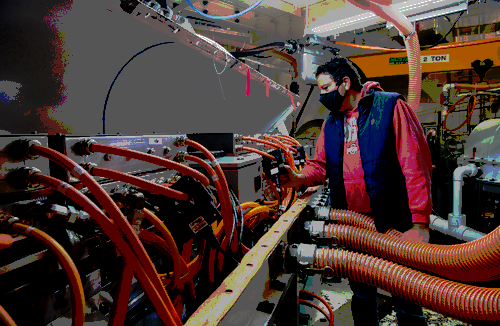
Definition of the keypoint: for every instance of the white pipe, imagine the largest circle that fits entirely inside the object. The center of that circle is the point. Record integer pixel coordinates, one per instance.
(458, 181)
(447, 87)
(462, 233)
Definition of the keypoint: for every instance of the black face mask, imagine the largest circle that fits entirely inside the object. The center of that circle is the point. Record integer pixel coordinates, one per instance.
(332, 101)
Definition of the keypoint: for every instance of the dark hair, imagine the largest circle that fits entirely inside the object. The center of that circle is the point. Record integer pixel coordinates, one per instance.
(339, 68)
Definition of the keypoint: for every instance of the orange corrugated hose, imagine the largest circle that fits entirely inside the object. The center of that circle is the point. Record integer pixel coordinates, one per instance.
(474, 261)
(468, 303)
(75, 281)
(6, 318)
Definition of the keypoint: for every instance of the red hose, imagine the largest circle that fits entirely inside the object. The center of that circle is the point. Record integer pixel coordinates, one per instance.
(113, 150)
(6, 318)
(474, 261)
(269, 156)
(75, 281)
(5, 241)
(141, 183)
(227, 212)
(265, 142)
(109, 205)
(468, 303)
(453, 108)
(470, 87)
(312, 305)
(324, 302)
(112, 230)
(348, 217)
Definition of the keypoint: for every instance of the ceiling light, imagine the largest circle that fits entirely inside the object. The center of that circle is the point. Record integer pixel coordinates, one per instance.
(433, 14)
(367, 18)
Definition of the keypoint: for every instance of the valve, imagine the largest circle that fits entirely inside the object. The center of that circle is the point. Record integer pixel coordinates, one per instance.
(180, 141)
(20, 178)
(19, 150)
(180, 157)
(83, 147)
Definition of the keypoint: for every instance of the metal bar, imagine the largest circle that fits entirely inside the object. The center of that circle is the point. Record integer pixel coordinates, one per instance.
(255, 264)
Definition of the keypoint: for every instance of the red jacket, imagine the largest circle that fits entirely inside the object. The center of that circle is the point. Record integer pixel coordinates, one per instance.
(413, 153)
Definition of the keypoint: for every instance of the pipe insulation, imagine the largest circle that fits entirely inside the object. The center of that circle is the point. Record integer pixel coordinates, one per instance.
(474, 261)
(468, 303)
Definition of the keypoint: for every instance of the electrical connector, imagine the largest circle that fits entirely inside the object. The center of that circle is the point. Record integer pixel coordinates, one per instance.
(19, 150)
(83, 147)
(21, 178)
(180, 141)
(180, 157)
(88, 166)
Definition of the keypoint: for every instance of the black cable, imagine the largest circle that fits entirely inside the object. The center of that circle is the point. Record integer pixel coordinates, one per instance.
(444, 37)
(109, 91)
(242, 220)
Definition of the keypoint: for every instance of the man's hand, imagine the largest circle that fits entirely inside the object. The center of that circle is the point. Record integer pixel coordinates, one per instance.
(418, 233)
(292, 179)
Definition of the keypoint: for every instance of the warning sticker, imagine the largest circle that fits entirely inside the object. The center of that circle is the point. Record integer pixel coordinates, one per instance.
(198, 224)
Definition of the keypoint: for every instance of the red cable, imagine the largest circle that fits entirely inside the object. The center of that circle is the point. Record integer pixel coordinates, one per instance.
(5, 241)
(310, 304)
(112, 230)
(139, 182)
(75, 281)
(227, 212)
(453, 108)
(113, 150)
(245, 148)
(269, 144)
(6, 318)
(324, 302)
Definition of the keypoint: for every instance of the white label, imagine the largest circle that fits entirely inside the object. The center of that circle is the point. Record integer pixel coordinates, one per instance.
(435, 58)
(282, 207)
(155, 141)
(274, 171)
(198, 224)
(297, 162)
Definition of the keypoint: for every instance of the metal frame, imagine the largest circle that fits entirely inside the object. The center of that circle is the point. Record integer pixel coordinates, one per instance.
(237, 298)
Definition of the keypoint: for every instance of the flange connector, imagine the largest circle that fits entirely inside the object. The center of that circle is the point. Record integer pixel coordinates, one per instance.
(19, 150)
(83, 147)
(180, 141)
(20, 178)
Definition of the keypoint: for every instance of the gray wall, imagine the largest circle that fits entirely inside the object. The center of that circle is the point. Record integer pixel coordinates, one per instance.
(167, 89)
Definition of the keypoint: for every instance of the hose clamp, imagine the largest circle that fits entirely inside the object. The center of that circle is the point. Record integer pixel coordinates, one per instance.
(306, 254)
(323, 213)
(73, 214)
(316, 229)
(407, 37)
(83, 147)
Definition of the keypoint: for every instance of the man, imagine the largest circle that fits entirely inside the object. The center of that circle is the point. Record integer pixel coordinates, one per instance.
(374, 153)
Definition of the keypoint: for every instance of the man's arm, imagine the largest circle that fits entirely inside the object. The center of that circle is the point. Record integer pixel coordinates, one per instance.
(415, 160)
(314, 173)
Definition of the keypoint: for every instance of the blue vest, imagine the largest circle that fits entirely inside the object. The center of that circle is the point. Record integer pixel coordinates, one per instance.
(384, 179)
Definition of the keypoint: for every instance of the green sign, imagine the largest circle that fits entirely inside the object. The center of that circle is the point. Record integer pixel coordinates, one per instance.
(398, 61)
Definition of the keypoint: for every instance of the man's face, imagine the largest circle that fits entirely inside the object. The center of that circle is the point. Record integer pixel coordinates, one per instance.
(326, 83)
